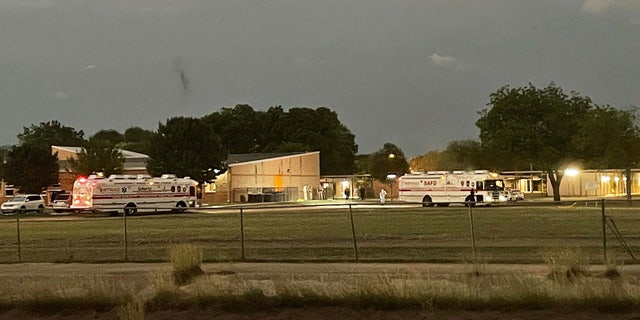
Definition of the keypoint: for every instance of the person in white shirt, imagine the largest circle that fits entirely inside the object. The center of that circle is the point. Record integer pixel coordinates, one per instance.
(383, 196)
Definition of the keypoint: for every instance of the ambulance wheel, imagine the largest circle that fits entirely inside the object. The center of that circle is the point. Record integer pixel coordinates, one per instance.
(130, 209)
(427, 202)
(180, 207)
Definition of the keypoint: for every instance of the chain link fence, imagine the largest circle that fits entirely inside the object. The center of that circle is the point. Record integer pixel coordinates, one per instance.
(605, 230)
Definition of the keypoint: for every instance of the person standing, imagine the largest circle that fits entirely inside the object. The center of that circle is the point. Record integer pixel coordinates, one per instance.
(383, 195)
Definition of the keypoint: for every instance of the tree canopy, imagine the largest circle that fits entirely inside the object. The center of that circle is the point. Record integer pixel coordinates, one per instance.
(31, 168)
(459, 155)
(389, 159)
(243, 130)
(137, 139)
(98, 156)
(51, 133)
(534, 127)
(186, 147)
(109, 135)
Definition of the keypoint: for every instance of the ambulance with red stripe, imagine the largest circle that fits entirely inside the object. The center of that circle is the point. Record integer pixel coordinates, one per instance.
(131, 194)
(442, 188)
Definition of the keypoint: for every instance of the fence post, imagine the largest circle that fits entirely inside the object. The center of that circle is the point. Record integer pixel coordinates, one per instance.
(241, 235)
(18, 232)
(126, 245)
(604, 233)
(473, 235)
(353, 233)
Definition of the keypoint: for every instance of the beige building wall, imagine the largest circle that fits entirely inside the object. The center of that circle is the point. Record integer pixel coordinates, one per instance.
(297, 174)
(597, 183)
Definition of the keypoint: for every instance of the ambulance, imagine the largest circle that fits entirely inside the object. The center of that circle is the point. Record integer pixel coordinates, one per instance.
(130, 194)
(442, 188)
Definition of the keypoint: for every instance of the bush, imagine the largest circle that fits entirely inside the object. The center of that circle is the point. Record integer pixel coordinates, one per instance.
(186, 260)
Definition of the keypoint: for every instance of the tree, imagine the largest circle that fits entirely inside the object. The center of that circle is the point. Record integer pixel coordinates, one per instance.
(537, 127)
(389, 159)
(430, 161)
(3, 159)
(243, 130)
(320, 130)
(112, 136)
(238, 127)
(186, 147)
(459, 155)
(98, 156)
(51, 133)
(137, 139)
(31, 168)
(610, 139)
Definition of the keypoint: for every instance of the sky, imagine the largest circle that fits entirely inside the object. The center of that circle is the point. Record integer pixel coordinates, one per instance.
(414, 73)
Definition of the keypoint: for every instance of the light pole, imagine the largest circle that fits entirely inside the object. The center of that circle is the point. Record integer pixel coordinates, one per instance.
(391, 177)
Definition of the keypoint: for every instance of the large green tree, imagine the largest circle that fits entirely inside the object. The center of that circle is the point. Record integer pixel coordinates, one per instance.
(530, 126)
(459, 155)
(320, 130)
(243, 130)
(137, 139)
(98, 156)
(112, 136)
(389, 159)
(610, 139)
(186, 147)
(237, 127)
(51, 133)
(31, 168)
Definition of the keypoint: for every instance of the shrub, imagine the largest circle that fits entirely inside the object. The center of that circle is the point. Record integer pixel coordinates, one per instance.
(186, 260)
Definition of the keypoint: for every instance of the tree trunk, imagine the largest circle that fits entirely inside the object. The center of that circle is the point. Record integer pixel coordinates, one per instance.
(627, 173)
(555, 177)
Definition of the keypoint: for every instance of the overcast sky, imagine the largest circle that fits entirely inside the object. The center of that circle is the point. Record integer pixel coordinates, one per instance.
(410, 72)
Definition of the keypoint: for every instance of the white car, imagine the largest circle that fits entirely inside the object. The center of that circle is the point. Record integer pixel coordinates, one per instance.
(61, 202)
(517, 195)
(24, 203)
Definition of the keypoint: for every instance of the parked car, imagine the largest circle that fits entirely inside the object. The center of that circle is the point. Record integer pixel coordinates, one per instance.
(61, 202)
(516, 195)
(24, 203)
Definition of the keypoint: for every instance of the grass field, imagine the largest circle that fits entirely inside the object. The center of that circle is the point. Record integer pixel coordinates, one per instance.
(514, 234)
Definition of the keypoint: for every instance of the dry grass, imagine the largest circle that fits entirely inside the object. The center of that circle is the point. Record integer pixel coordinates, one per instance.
(186, 260)
(381, 291)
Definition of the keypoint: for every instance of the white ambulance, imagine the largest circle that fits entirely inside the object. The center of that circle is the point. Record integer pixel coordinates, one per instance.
(131, 194)
(442, 188)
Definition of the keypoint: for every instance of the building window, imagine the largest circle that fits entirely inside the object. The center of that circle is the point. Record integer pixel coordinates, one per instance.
(8, 190)
(210, 187)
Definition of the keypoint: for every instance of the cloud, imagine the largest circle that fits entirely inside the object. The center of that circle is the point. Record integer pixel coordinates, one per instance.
(60, 95)
(38, 4)
(89, 67)
(445, 61)
(596, 6)
(599, 6)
